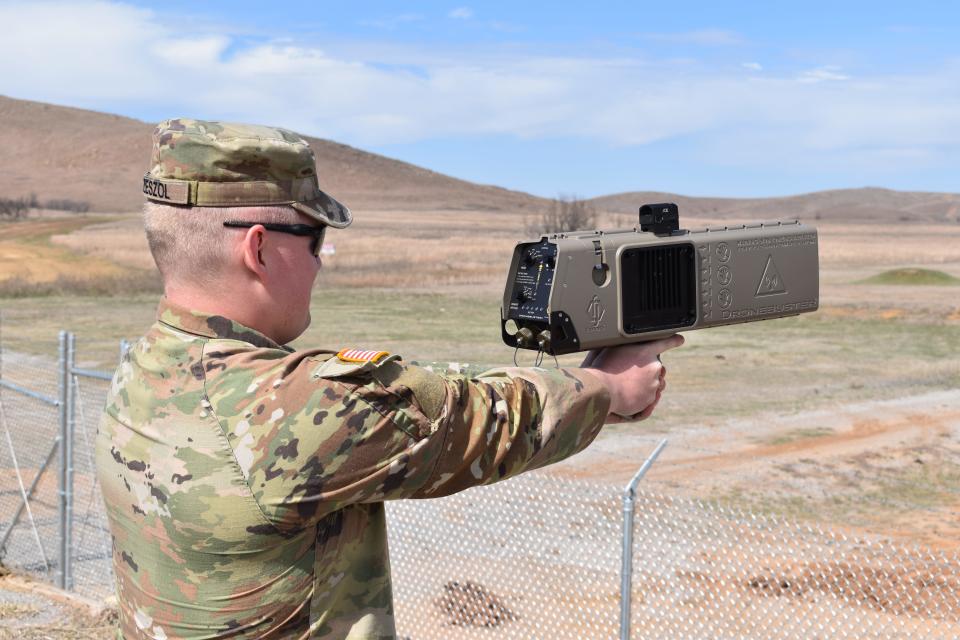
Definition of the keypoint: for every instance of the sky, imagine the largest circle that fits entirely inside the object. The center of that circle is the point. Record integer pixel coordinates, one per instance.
(553, 98)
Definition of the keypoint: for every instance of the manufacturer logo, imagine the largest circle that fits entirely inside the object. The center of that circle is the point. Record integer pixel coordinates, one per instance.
(771, 282)
(596, 312)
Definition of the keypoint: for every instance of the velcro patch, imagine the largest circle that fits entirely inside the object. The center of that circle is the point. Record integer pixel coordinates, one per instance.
(359, 355)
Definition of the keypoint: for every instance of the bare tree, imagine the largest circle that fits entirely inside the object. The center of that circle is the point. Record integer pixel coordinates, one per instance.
(76, 206)
(14, 209)
(565, 213)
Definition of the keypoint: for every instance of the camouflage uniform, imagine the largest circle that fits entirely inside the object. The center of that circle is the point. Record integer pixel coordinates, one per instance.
(245, 481)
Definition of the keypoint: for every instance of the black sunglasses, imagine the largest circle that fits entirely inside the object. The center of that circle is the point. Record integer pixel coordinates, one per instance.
(316, 233)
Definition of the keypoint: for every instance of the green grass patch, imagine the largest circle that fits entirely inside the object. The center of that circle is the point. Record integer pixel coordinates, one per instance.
(128, 283)
(913, 277)
(796, 435)
(933, 484)
(882, 497)
(787, 365)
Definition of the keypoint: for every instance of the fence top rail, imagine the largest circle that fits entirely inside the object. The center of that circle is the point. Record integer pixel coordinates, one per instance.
(53, 402)
(92, 373)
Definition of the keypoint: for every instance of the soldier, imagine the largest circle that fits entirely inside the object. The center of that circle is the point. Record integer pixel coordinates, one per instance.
(244, 481)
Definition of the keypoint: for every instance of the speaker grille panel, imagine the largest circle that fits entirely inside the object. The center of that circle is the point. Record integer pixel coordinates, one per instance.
(659, 287)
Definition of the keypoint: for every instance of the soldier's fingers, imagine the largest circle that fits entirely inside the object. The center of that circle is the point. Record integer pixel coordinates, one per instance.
(646, 413)
(591, 356)
(666, 344)
(653, 349)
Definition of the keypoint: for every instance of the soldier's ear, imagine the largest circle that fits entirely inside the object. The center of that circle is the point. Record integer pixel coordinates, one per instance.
(252, 251)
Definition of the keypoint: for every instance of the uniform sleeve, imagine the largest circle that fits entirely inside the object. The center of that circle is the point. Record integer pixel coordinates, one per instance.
(468, 369)
(501, 423)
(315, 444)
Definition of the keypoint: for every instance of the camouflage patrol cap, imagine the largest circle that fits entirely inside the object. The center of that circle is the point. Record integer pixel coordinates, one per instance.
(222, 164)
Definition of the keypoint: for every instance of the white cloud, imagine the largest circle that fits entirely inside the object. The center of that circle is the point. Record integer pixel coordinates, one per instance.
(753, 66)
(703, 37)
(192, 51)
(822, 74)
(369, 96)
(461, 13)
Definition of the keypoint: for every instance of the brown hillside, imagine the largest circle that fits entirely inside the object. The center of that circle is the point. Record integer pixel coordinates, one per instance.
(62, 152)
(843, 205)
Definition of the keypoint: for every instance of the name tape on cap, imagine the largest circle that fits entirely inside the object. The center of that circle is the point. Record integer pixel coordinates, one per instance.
(177, 192)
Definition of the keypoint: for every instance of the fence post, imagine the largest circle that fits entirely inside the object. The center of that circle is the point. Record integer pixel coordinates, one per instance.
(626, 565)
(64, 391)
(68, 447)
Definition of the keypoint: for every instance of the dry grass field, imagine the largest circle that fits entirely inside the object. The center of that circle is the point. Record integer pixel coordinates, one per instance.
(848, 417)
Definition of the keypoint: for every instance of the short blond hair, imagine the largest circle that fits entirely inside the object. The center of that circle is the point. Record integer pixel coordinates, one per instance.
(190, 245)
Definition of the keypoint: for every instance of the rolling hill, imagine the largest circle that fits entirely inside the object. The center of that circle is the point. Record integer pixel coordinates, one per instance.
(60, 152)
(869, 204)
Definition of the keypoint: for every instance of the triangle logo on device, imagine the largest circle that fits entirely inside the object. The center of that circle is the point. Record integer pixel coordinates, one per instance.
(771, 282)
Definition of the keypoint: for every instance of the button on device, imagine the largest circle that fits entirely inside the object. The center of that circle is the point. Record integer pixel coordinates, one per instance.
(600, 273)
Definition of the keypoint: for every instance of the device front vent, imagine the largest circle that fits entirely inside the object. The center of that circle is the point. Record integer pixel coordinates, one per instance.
(659, 287)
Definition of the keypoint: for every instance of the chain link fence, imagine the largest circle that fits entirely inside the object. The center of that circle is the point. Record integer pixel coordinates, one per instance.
(539, 557)
(535, 557)
(52, 522)
(30, 501)
(91, 569)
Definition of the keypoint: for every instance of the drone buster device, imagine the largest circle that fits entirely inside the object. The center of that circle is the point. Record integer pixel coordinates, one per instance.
(581, 290)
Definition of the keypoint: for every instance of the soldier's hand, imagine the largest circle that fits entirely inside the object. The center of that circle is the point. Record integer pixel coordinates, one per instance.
(634, 376)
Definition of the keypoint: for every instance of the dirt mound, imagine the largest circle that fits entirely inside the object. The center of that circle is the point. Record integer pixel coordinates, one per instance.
(913, 277)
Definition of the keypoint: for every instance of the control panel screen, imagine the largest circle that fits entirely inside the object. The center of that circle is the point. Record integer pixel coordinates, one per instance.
(533, 281)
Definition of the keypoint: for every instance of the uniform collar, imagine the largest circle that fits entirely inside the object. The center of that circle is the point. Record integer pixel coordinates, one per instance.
(211, 326)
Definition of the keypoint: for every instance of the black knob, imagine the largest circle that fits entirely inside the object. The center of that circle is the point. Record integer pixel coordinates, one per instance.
(600, 273)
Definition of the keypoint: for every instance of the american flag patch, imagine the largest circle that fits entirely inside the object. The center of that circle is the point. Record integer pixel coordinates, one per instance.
(360, 355)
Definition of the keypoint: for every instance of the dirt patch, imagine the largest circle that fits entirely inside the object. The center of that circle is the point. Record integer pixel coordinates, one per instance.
(26, 252)
(40, 263)
(886, 466)
(469, 604)
(32, 610)
(927, 595)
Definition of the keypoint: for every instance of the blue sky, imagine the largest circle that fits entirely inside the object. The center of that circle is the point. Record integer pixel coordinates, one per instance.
(698, 98)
